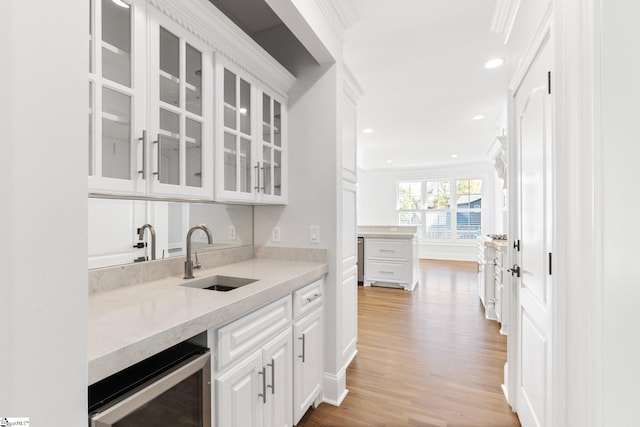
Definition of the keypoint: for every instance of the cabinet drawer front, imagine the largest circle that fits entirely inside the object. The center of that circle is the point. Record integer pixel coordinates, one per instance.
(250, 331)
(388, 248)
(381, 271)
(308, 298)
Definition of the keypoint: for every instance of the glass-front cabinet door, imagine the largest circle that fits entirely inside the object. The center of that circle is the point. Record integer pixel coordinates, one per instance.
(272, 150)
(116, 96)
(235, 157)
(180, 106)
(250, 143)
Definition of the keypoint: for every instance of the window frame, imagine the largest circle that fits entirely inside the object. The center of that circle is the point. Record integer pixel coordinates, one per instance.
(453, 209)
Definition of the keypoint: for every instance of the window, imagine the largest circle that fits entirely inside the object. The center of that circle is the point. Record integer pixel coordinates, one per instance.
(446, 209)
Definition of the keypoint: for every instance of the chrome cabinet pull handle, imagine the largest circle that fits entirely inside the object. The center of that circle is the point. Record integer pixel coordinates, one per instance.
(263, 395)
(264, 178)
(143, 139)
(158, 158)
(314, 297)
(257, 168)
(303, 347)
(273, 376)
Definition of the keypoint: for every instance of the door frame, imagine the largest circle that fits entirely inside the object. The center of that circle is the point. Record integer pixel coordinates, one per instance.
(577, 311)
(542, 36)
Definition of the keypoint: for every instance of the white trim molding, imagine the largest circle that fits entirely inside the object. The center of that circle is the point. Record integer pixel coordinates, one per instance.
(210, 25)
(579, 203)
(504, 16)
(351, 87)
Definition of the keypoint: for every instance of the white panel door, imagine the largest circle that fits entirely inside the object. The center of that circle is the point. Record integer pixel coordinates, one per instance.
(533, 104)
(239, 401)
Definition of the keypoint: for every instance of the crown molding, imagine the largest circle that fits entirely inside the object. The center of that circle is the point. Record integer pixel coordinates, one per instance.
(351, 87)
(205, 21)
(504, 16)
(337, 16)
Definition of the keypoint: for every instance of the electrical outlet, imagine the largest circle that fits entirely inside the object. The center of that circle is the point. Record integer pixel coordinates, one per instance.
(314, 234)
(275, 235)
(232, 232)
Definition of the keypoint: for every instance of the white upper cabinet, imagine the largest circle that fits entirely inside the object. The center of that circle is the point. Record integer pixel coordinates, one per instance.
(117, 95)
(166, 120)
(180, 111)
(250, 144)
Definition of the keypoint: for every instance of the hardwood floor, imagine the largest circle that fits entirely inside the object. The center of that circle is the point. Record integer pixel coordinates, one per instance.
(425, 358)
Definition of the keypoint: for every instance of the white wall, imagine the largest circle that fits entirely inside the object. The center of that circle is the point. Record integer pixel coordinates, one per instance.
(43, 214)
(377, 193)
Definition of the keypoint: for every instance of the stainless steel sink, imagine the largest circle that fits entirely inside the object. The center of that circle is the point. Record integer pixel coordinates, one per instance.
(219, 283)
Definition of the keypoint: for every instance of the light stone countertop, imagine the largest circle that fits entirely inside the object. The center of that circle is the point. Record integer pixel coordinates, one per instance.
(387, 231)
(130, 324)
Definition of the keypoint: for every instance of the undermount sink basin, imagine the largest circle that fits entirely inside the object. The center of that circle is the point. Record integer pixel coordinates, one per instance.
(219, 283)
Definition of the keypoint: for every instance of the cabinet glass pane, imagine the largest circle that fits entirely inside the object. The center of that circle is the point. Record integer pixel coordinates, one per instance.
(194, 153)
(266, 109)
(194, 81)
(229, 117)
(229, 99)
(277, 172)
(116, 134)
(245, 107)
(229, 162)
(90, 128)
(266, 173)
(116, 42)
(169, 68)
(169, 149)
(229, 88)
(245, 165)
(277, 137)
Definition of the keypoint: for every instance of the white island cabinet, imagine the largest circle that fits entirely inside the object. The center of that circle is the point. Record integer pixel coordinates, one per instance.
(390, 256)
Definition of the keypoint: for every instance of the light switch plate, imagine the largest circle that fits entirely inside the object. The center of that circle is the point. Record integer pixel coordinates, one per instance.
(275, 235)
(232, 232)
(314, 234)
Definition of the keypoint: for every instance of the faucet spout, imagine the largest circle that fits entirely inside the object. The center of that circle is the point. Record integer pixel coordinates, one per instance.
(188, 263)
(153, 238)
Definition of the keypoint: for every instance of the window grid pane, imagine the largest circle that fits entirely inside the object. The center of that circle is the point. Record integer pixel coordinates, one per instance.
(440, 210)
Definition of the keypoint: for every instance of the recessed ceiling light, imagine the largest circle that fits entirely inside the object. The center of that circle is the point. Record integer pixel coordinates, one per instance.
(493, 63)
(367, 130)
(454, 156)
(478, 117)
(389, 161)
(120, 3)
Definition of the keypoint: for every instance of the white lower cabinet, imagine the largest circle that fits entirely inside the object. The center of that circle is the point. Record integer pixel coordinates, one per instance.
(307, 366)
(257, 391)
(268, 369)
(238, 401)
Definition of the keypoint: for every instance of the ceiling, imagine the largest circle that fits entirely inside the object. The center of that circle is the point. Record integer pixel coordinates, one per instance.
(420, 64)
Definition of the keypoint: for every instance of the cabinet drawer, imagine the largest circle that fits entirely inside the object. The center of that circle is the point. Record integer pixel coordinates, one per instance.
(250, 331)
(384, 271)
(388, 248)
(308, 298)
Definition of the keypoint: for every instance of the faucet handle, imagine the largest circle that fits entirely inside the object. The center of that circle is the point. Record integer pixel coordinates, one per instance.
(197, 263)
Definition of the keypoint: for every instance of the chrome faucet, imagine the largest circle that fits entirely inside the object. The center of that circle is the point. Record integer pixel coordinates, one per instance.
(188, 264)
(153, 238)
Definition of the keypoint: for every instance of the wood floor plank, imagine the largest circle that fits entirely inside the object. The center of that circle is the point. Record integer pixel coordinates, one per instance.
(425, 358)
